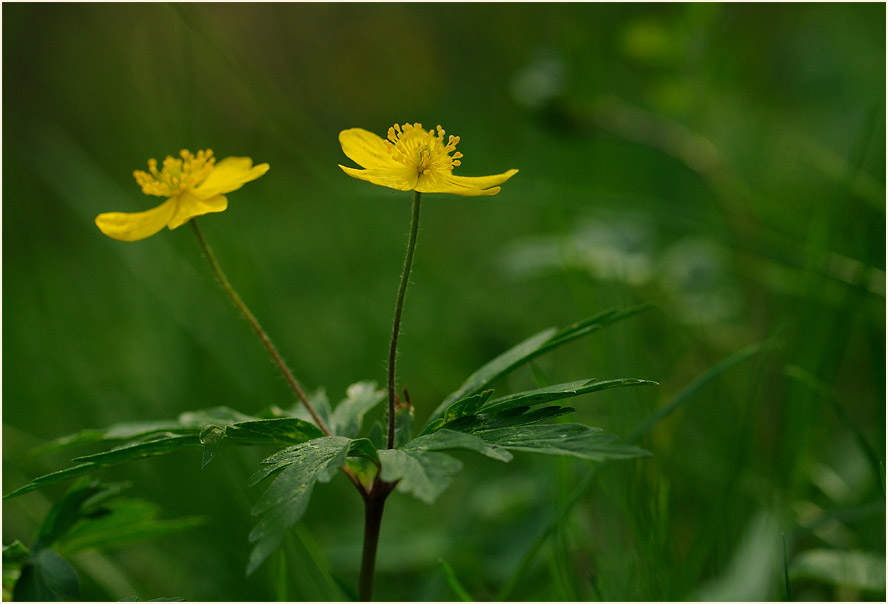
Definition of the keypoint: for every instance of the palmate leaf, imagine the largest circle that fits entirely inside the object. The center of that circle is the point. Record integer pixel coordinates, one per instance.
(423, 474)
(284, 430)
(210, 429)
(467, 406)
(52, 478)
(531, 348)
(448, 440)
(477, 411)
(158, 444)
(360, 398)
(423, 471)
(278, 431)
(190, 422)
(574, 440)
(285, 501)
(557, 392)
(518, 416)
(347, 417)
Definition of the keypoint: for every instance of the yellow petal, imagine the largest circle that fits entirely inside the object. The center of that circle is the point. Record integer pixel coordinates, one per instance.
(133, 226)
(401, 178)
(366, 149)
(229, 175)
(439, 181)
(190, 206)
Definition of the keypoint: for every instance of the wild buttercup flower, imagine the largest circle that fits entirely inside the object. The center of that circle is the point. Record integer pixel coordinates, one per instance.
(194, 184)
(413, 159)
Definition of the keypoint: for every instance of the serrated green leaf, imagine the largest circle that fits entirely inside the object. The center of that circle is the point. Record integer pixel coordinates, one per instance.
(321, 404)
(467, 423)
(376, 434)
(160, 444)
(285, 501)
(47, 577)
(448, 440)
(425, 475)
(52, 478)
(466, 406)
(531, 348)
(558, 392)
(209, 428)
(432, 426)
(190, 422)
(220, 416)
(278, 431)
(589, 481)
(519, 416)
(349, 414)
(574, 440)
(84, 436)
(123, 522)
(500, 365)
(363, 447)
(403, 425)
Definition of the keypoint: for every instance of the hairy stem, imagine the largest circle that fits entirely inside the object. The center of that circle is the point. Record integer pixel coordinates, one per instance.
(399, 305)
(263, 337)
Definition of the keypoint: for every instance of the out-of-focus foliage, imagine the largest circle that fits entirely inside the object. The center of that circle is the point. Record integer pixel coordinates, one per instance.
(725, 162)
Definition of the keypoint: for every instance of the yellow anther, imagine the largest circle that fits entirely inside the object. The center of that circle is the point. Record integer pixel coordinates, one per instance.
(423, 150)
(176, 175)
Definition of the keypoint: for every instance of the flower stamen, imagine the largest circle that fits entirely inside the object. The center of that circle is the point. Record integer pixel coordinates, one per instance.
(423, 150)
(177, 175)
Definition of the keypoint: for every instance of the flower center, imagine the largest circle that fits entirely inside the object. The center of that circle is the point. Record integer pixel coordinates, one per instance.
(423, 150)
(177, 175)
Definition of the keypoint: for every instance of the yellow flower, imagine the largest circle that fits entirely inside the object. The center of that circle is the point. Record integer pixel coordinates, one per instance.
(193, 185)
(413, 159)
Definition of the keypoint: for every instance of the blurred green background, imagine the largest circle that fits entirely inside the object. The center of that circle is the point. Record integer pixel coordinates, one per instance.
(724, 162)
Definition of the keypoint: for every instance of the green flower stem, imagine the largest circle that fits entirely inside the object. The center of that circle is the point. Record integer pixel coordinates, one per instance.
(399, 305)
(263, 337)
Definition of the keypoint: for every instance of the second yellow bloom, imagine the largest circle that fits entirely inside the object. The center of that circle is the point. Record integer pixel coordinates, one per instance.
(194, 184)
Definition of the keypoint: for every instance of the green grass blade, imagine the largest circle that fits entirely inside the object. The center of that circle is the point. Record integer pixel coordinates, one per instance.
(589, 480)
(453, 582)
(819, 388)
(786, 570)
